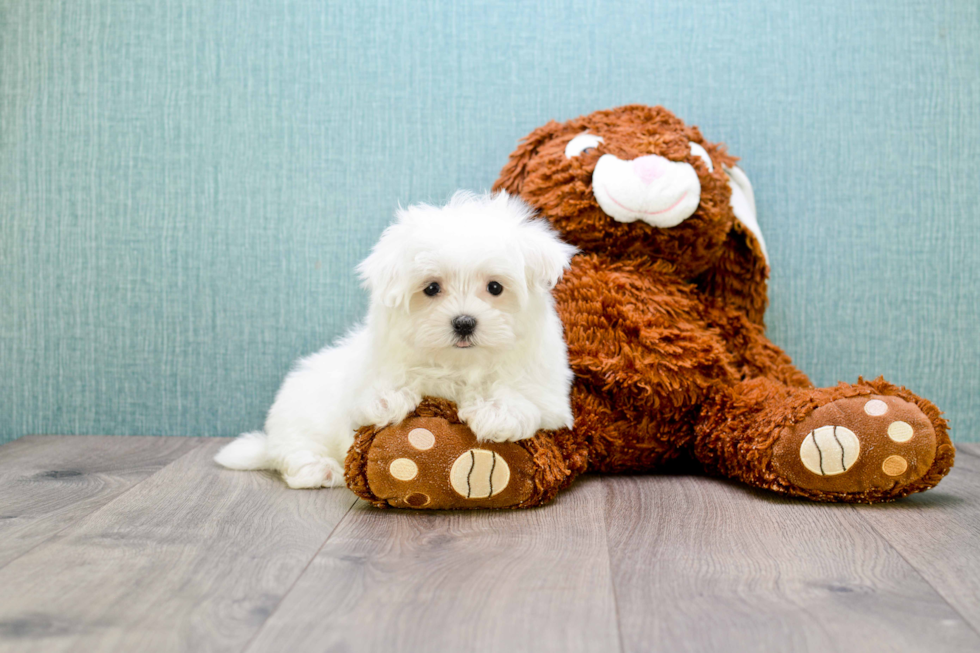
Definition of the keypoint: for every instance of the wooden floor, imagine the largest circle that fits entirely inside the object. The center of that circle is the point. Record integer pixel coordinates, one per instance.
(143, 544)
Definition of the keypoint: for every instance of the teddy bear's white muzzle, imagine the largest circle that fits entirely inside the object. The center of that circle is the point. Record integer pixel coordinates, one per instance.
(650, 188)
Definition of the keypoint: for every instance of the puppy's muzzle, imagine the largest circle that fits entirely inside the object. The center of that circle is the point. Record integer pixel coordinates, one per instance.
(464, 325)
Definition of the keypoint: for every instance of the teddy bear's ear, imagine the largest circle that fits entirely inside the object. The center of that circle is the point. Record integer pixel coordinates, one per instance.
(514, 173)
(743, 204)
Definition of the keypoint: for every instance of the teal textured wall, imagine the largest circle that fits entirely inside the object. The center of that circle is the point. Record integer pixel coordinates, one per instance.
(185, 185)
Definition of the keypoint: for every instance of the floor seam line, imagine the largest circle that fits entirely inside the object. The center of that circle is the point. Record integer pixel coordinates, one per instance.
(612, 580)
(99, 509)
(275, 608)
(917, 571)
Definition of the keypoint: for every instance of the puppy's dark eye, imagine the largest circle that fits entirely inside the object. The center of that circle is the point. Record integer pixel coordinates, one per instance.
(494, 288)
(432, 289)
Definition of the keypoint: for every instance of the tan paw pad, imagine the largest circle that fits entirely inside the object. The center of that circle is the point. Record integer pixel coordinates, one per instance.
(876, 408)
(403, 469)
(478, 474)
(830, 450)
(900, 431)
(894, 465)
(421, 439)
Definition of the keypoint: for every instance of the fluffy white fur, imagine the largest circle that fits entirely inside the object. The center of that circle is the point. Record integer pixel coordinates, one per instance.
(509, 378)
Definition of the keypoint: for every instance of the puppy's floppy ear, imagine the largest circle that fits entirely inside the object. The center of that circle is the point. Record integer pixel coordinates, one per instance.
(546, 256)
(385, 271)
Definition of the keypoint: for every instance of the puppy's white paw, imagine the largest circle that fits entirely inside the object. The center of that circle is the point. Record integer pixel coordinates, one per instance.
(305, 469)
(500, 421)
(388, 406)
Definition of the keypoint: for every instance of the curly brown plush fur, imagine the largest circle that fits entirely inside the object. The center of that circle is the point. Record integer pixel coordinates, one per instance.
(666, 339)
(709, 247)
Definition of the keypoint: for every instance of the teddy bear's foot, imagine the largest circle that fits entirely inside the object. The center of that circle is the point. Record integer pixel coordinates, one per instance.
(871, 445)
(428, 462)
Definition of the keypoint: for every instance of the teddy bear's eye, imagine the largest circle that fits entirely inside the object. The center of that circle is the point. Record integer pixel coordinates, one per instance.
(582, 143)
(699, 151)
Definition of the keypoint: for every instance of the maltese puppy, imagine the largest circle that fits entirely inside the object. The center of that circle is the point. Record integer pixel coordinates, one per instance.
(460, 309)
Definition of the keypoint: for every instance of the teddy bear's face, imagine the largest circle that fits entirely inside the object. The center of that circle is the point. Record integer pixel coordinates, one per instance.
(628, 181)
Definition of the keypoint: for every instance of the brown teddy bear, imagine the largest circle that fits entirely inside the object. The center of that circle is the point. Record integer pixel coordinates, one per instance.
(663, 314)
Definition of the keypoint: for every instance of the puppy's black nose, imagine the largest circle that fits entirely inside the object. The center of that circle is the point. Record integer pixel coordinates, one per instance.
(464, 325)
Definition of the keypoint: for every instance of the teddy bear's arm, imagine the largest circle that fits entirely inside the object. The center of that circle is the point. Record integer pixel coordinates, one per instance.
(638, 333)
(739, 276)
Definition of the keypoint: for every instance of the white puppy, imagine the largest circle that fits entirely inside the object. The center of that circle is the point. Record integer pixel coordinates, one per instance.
(460, 309)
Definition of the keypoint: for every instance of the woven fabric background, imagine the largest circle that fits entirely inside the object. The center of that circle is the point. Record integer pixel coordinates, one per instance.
(185, 185)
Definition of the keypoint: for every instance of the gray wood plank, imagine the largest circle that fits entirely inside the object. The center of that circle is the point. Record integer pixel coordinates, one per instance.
(938, 533)
(533, 580)
(708, 565)
(192, 559)
(50, 482)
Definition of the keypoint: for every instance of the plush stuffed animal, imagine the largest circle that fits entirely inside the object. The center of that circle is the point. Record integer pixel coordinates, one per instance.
(663, 314)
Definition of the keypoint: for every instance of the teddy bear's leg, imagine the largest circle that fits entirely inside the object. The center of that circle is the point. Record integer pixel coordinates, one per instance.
(866, 442)
(432, 461)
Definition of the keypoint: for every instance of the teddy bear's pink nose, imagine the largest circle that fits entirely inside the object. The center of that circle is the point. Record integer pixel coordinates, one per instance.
(649, 167)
